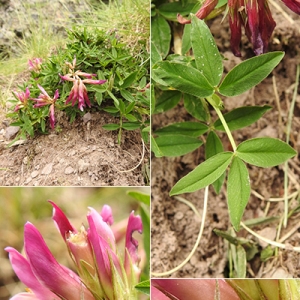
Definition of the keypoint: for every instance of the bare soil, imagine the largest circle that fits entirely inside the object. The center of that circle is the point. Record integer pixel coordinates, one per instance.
(79, 154)
(174, 226)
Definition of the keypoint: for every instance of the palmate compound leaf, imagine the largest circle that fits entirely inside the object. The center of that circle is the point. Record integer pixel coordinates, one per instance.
(265, 152)
(203, 175)
(238, 191)
(182, 77)
(249, 73)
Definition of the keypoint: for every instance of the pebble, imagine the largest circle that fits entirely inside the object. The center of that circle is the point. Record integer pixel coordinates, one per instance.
(179, 215)
(82, 166)
(69, 170)
(34, 174)
(11, 132)
(47, 169)
(87, 117)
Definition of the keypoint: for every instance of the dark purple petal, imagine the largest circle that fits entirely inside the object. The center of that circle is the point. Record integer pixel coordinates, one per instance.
(293, 5)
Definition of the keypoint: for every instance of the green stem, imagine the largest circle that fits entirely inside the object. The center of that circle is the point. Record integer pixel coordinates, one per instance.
(223, 121)
(288, 132)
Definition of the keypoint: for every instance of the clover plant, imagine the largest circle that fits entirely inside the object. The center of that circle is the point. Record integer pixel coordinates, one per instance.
(200, 82)
(94, 71)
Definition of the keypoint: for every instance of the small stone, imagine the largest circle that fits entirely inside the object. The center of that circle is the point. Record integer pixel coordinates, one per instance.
(82, 166)
(34, 174)
(25, 160)
(11, 132)
(28, 180)
(17, 179)
(2, 131)
(179, 215)
(87, 117)
(69, 170)
(47, 169)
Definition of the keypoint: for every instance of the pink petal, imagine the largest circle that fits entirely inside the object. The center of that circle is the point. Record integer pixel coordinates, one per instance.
(43, 91)
(103, 229)
(23, 270)
(61, 221)
(66, 77)
(28, 296)
(62, 281)
(56, 95)
(102, 252)
(196, 289)
(52, 116)
(106, 214)
(134, 224)
(94, 81)
(157, 294)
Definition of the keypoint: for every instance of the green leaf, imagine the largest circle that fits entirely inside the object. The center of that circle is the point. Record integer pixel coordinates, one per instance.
(193, 129)
(144, 287)
(265, 152)
(203, 175)
(141, 197)
(183, 78)
(144, 212)
(207, 56)
(130, 117)
(249, 73)
(161, 35)
(214, 146)
(238, 191)
(240, 262)
(170, 10)
(155, 55)
(186, 39)
(242, 117)
(111, 126)
(127, 95)
(154, 147)
(177, 145)
(129, 80)
(167, 100)
(130, 125)
(28, 126)
(197, 107)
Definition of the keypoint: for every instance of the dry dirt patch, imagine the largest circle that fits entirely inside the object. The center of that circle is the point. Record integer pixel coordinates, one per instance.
(80, 154)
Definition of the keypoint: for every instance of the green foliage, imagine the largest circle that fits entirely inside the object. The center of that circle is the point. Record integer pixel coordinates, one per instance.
(198, 81)
(125, 94)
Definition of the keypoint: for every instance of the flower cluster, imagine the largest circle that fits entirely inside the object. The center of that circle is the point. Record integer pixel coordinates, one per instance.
(79, 91)
(254, 15)
(43, 100)
(102, 274)
(35, 64)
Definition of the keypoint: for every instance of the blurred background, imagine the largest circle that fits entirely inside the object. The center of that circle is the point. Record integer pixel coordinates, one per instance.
(21, 204)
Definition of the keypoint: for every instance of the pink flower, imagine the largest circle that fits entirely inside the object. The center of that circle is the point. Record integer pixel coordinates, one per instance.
(102, 274)
(79, 91)
(43, 100)
(35, 64)
(23, 99)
